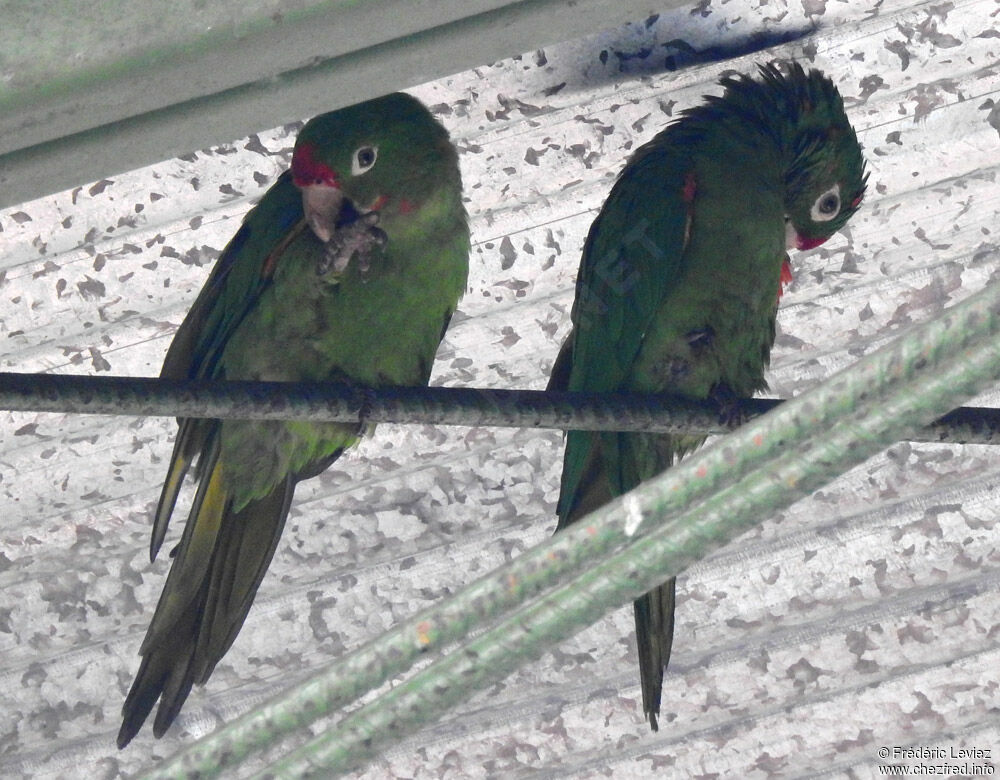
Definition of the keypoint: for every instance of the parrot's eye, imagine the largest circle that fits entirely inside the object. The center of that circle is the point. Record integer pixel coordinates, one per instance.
(827, 205)
(364, 159)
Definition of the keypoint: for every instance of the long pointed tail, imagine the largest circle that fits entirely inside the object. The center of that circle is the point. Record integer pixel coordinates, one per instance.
(586, 485)
(654, 634)
(219, 565)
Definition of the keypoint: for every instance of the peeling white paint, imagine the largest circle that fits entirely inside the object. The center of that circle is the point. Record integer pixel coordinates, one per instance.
(633, 514)
(864, 615)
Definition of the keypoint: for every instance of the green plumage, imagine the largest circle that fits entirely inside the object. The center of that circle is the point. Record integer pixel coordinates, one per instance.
(679, 281)
(349, 268)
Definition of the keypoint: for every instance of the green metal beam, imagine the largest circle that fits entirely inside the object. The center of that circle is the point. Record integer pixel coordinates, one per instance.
(74, 109)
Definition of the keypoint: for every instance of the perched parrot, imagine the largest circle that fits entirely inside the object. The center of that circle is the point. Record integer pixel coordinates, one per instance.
(348, 269)
(679, 282)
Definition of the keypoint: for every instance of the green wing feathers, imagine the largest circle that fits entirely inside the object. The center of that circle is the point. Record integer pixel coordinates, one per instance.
(633, 256)
(235, 283)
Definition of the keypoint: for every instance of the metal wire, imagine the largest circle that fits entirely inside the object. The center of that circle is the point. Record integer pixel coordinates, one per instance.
(333, 402)
(811, 439)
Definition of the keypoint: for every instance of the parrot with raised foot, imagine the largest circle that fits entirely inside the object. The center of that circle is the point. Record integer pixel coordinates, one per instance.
(348, 269)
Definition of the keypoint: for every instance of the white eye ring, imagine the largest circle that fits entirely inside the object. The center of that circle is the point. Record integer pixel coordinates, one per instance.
(826, 206)
(363, 159)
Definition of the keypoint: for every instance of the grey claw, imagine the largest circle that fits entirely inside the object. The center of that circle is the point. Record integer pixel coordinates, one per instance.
(358, 239)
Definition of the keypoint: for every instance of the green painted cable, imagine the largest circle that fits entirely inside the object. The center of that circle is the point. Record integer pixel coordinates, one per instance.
(927, 370)
(573, 551)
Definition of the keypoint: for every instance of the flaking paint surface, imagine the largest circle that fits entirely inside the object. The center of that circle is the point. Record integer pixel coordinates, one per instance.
(864, 616)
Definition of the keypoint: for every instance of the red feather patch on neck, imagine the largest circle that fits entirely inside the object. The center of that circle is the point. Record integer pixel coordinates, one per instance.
(690, 187)
(308, 171)
(810, 243)
(405, 205)
(785, 277)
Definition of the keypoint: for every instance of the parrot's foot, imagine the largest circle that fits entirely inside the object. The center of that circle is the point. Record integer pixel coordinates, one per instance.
(366, 402)
(358, 239)
(731, 414)
(365, 412)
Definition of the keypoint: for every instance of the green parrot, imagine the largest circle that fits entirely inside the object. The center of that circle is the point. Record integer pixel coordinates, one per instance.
(348, 269)
(680, 278)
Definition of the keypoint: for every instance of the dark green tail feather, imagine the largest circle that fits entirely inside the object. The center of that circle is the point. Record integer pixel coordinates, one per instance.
(159, 669)
(247, 540)
(184, 651)
(654, 635)
(654, 611)
(180, 461)
(586, 487)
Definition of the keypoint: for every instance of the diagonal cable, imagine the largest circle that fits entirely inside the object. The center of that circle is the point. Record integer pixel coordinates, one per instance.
(881, 399)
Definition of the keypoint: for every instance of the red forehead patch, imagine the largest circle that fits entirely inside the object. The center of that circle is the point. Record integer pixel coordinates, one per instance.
(307, 170)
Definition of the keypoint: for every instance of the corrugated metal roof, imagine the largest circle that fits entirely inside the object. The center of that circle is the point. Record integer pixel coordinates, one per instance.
(864, 616)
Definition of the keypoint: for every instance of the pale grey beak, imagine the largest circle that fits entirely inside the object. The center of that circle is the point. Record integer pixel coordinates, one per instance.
(321, 204)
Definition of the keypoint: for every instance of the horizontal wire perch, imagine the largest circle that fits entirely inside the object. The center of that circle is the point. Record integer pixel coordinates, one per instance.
(328, 402)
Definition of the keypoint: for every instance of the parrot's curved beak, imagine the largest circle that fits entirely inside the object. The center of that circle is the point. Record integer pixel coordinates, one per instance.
(321, 204)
